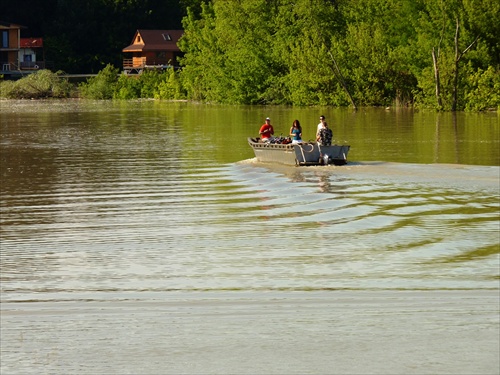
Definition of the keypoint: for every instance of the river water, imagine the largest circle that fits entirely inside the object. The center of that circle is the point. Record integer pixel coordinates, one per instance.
(144, 238)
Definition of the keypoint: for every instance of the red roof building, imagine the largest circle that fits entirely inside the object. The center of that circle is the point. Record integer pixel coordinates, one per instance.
(31, 54)
(31, 43)
(153, 49)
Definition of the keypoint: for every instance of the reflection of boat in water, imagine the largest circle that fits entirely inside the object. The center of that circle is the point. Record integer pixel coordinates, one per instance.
(307, 153)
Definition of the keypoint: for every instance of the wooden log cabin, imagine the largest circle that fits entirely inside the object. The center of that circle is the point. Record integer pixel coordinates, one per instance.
(152, 49)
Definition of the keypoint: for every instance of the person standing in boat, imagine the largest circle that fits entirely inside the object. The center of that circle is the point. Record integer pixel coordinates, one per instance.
(324, 135)
(322, 123)
(266, 131)
(296, 132)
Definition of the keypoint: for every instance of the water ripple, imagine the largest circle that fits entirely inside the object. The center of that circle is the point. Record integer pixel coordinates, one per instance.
(247, 227)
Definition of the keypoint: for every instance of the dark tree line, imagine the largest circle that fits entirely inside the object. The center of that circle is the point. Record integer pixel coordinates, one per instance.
(83, 36)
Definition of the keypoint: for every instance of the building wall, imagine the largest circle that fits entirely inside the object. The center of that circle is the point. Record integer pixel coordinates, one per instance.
(9, 54)
(14, 38)
(27, 54)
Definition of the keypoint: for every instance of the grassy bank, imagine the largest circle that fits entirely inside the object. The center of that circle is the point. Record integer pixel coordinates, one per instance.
(108, 84)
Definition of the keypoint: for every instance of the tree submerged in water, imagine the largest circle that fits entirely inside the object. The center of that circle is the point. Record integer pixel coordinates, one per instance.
(42, 84)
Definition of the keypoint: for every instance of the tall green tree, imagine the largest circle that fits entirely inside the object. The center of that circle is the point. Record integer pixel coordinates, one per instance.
(203, 58)
(376, 50)
(261, 51)
(452, 34)
(227, 51)
(303, 44)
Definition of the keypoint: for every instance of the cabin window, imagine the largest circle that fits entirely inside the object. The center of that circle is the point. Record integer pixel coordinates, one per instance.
(161, 55)
(167, 37)
(138, 38)
(5, 39)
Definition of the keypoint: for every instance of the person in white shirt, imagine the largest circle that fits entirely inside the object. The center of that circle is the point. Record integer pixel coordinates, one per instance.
(324, 134)
(320, 125)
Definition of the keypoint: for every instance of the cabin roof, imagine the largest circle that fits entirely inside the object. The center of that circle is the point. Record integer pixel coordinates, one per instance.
(154, 40)
(31, 43)
(9, 25)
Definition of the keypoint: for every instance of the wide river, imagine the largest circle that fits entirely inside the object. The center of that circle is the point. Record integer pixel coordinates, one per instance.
(143, 237)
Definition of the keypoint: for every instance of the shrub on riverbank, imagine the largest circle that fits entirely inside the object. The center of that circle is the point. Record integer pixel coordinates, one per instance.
(39, 85)
(102, 86)
(109, 84)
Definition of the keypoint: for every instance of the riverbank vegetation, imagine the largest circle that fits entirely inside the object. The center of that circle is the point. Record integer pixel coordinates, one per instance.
(424, 53)
(40, 85)
(421, 53)
(109, 84)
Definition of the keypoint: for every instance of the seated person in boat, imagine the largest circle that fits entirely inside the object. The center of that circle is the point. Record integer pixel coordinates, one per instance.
(266, 131)
(296, 132)
(324, 135)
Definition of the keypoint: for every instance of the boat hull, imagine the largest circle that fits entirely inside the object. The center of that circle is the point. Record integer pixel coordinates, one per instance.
(299, 154)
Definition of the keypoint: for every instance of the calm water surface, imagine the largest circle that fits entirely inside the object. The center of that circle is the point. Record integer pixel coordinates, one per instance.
(143, 238)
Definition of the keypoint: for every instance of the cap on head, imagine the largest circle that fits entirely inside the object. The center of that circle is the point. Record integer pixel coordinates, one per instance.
(267, 118)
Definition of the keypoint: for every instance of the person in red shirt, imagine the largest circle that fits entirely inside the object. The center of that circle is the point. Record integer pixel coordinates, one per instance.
(266, 131)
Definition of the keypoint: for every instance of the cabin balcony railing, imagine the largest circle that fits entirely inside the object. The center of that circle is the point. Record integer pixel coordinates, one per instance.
(136, 62)
(32, 65)
(7, 66)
